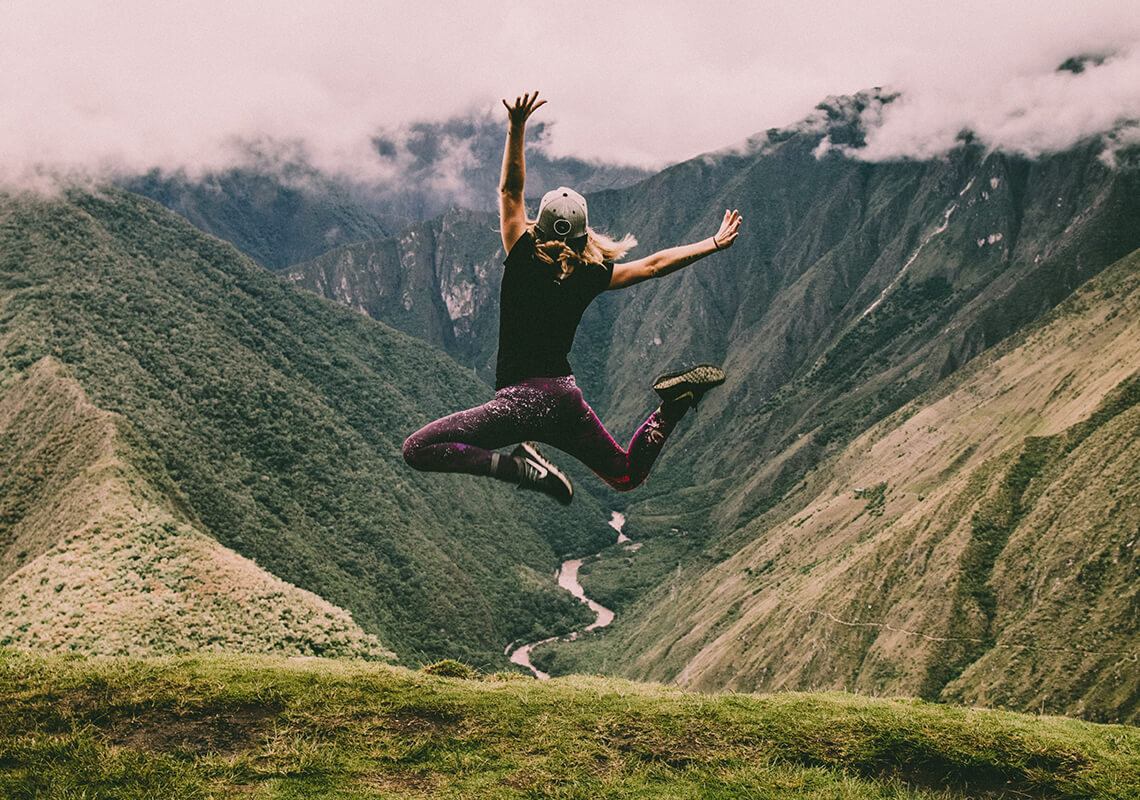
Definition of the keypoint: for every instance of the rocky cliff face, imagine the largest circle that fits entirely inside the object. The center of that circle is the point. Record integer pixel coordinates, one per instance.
(437, 280)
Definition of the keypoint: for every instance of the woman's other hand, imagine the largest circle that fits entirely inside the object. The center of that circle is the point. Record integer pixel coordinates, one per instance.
(729, 228)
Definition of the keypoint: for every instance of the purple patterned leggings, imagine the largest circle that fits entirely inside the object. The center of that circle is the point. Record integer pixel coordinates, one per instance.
(548, 410)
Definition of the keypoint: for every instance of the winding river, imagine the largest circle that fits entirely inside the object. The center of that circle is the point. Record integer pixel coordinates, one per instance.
(568, 580)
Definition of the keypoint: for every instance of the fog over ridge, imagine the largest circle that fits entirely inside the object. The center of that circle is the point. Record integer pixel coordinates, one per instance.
(139, 86)
(1030, 114)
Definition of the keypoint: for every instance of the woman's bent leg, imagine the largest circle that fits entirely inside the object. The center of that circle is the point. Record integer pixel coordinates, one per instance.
(464, 441)
(550, 410)
(587, 439)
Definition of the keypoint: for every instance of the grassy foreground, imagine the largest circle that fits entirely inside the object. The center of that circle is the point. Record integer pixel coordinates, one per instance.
(218, 726)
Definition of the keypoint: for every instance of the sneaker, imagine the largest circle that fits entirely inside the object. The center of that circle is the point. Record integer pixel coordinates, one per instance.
(686, 388)
(537, 473)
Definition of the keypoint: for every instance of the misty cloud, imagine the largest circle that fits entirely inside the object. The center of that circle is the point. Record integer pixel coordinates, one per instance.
(207, 86)
(1027, 113)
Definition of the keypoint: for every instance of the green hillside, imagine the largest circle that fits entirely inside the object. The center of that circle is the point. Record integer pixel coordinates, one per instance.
(977, 546)
(270, 421)
(96, 562)
(222, 727)
(277, 214)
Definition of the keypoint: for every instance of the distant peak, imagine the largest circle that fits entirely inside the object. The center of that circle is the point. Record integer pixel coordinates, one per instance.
(847, 116)
(839, 119)
(1079, 63)
(849, 107)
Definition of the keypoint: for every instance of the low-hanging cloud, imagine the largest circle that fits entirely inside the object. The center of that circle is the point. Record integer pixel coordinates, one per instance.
(1028, 113)
(201, 86)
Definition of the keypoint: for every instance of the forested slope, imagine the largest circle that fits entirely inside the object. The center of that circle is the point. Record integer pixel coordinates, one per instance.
(272, 421)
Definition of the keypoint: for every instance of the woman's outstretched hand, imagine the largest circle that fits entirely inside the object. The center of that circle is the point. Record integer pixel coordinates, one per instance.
(524, 106)
(729, 228)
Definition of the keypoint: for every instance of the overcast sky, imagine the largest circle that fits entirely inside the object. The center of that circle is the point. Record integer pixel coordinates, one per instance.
(141, 83)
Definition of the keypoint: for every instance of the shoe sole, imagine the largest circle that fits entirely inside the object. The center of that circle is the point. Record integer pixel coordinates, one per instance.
(531, 452)
(702, 375)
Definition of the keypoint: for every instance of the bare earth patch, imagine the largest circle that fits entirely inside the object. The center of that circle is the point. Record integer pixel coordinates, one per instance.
(222, 731)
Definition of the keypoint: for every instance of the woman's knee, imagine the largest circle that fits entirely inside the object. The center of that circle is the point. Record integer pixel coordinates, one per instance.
(413, 449)
(626, 483)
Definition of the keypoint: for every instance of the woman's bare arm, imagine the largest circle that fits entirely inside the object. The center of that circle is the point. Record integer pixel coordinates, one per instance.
(664, 262)
(512, 211)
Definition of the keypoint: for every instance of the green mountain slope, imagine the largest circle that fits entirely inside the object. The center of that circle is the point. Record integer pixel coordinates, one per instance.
(979, 545)
(227, 727)
(94, 561)
(272, 421)
(859, 286)
(277, 214)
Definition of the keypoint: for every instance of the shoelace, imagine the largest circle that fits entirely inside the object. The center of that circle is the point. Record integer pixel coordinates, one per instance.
(531, 472)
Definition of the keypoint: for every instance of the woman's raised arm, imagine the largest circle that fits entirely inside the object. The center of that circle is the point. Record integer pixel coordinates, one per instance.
(663, 262)
(512, 211)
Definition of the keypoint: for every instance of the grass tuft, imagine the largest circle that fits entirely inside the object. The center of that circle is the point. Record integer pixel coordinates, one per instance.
(449, 668)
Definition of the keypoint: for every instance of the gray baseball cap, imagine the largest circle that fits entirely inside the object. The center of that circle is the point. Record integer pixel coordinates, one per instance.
(562, 215)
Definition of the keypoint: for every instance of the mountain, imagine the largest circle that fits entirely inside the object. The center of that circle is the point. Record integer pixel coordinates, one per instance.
(988, 240)
(917, 479)
(281, 210)
(186, 433)
(457, 163)
(855, 289)
(437, 280)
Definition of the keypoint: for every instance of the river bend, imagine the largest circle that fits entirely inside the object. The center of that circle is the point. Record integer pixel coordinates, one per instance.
(568, 580)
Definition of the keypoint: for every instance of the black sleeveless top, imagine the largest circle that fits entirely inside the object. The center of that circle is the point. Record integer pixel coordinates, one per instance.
(539, 313)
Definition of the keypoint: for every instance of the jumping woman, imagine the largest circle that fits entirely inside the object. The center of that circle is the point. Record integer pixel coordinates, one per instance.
(556, 265)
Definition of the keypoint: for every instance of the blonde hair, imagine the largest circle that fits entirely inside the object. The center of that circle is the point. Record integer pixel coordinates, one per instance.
(598, 249)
